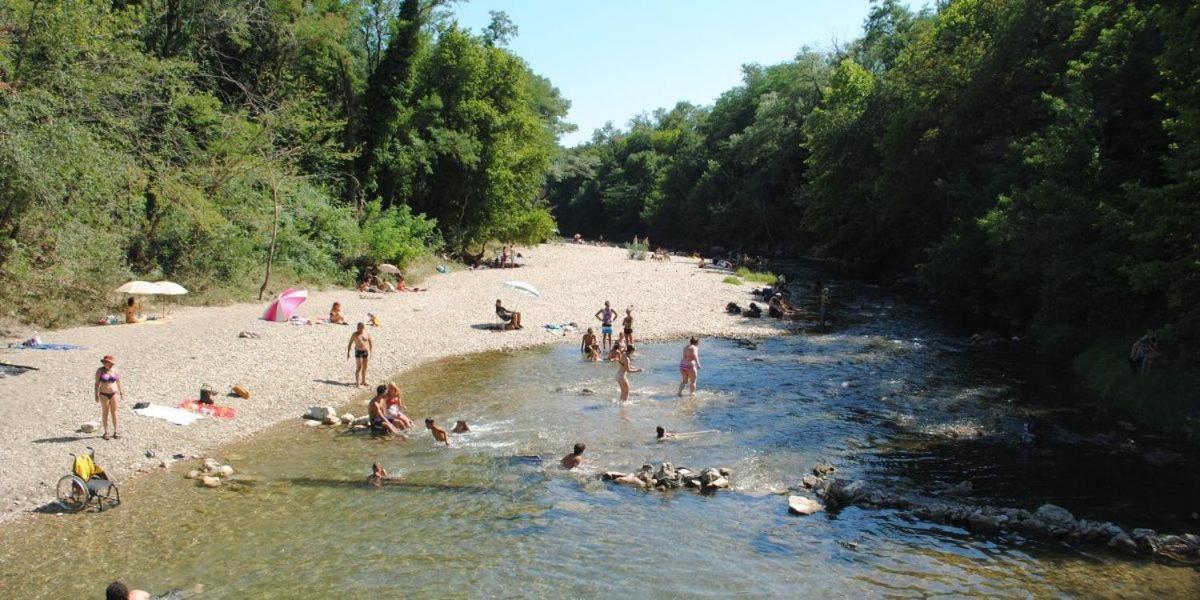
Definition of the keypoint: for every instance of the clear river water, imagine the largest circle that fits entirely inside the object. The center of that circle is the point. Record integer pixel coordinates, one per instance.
(887, 396)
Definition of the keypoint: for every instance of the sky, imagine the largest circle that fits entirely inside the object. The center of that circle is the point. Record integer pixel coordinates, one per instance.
(615, 59)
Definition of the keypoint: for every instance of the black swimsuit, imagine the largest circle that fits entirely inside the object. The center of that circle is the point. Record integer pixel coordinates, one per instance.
(361, 353)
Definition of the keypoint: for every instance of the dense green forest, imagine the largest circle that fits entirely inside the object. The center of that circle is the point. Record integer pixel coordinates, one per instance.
(1032, 162)
(193, 139)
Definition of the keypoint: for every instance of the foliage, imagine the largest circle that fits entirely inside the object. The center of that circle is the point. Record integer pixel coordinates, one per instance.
(184, 140)
(730, 279)
(638, 250)
(755, 276)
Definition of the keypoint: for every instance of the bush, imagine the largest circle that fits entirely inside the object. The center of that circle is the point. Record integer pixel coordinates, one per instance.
(755, 277)
(638, 250)
(732, 280)
(395, 235)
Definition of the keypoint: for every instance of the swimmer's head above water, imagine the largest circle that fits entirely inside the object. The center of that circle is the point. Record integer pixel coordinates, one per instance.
(660, 432)
(579, 448)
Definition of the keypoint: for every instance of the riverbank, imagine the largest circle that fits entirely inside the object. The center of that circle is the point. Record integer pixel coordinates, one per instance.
(288, 368)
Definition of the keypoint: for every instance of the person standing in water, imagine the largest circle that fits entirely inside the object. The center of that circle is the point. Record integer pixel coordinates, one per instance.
(360, 342)
(689, 366)
(108, 390)
(606, 316)
(624, 367)
(627, 327)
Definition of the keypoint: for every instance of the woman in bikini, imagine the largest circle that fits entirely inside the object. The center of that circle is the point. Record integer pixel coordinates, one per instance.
(335, 315)
(108, 389)
(396, 409)
(624, 367)
(360, 341)
(689, 366)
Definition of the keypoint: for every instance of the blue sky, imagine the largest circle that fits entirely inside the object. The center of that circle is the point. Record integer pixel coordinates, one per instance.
(614, 59)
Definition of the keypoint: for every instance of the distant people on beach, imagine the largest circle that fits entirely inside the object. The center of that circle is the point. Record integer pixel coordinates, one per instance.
(335, 315)
(663, 435)
(119, 591)
(689, 366)
(624, 368)
(511, 319)
(461, 426)
(627, 327)
(575, 458)
(108, 390)
(439, 434)
(377, 412)
(132, 314)
(606, 316)
(360, 342)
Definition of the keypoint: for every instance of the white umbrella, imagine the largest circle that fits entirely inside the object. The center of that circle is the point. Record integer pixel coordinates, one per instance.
(386, 268)
(524, 287)
(170, 288)
(140, 288)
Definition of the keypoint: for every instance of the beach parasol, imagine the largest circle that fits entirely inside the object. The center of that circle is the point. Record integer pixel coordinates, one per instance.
(284, 305)
(386, 268)
(524, 287)
(144, 288)
(169, 288)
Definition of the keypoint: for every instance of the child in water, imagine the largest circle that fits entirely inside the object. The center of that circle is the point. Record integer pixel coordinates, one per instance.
(439, 434)
(461, 427)
(379, 476)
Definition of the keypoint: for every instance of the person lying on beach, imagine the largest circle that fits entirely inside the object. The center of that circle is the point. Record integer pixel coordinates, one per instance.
(377, 411)
(132, 315)
(512, 319)
(439, 434)
(335, 315)
(663, 435)
(394, 403)
(379, 476)
(461, 427)
(401, 286)
(573, 459)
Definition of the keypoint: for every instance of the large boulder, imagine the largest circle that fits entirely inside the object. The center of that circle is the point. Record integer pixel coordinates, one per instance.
(709, 475)
(320, 413)
(666, 475)
(720, 483)
(1056, 517)
(802, 505)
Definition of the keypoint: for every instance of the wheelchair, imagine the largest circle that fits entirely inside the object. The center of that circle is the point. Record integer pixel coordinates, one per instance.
(87, 484)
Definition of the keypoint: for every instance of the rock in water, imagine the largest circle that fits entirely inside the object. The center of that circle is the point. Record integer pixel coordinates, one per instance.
(1056, 516)
(225, 470)
(709, 475)
(331, 420)
(89, 427)
(803, 506)
(822, 470)
(347, 419)
(311, 423)
(719, 483)
(362, 421)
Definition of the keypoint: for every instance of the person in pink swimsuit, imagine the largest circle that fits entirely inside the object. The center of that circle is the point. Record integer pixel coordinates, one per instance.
(689, 366)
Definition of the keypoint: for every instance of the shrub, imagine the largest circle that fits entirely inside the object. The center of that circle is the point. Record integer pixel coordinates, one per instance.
(732, 280)
(638, 250)
(756, 277)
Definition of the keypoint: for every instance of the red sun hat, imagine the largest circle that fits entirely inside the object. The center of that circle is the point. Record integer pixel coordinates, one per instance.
(108, 358)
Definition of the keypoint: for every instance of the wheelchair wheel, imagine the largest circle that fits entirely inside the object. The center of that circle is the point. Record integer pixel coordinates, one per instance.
(111, 496)
(73, 493)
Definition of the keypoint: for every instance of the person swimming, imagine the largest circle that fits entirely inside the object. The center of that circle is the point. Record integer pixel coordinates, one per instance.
(573, 459)
(439, 434)
(461, 427)
(663, 435)
(379, 476)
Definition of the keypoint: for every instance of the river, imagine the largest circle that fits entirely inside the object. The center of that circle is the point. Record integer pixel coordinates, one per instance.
(887, 396)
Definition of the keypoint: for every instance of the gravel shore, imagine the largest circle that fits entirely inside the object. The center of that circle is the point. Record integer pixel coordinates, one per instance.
(289, 368)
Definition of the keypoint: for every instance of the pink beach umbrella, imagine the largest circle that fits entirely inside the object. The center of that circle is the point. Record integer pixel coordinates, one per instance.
(284, 305)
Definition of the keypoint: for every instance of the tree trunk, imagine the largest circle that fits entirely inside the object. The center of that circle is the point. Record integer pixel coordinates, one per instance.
(274, 235)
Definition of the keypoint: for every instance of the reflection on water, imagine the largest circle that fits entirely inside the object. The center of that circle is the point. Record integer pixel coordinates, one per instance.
(889, 399)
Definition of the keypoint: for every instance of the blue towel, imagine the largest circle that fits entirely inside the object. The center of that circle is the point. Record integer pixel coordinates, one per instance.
(46, 346)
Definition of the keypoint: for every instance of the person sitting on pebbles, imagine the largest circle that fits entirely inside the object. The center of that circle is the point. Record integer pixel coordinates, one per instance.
(439, 434)
(377, 411)
(335, 315)
(575, 458)
(512, 319)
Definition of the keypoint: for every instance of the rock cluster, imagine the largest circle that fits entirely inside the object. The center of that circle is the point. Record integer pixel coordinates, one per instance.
(317, 415)
(211, 473)
(668, 477)
(1048, 521)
